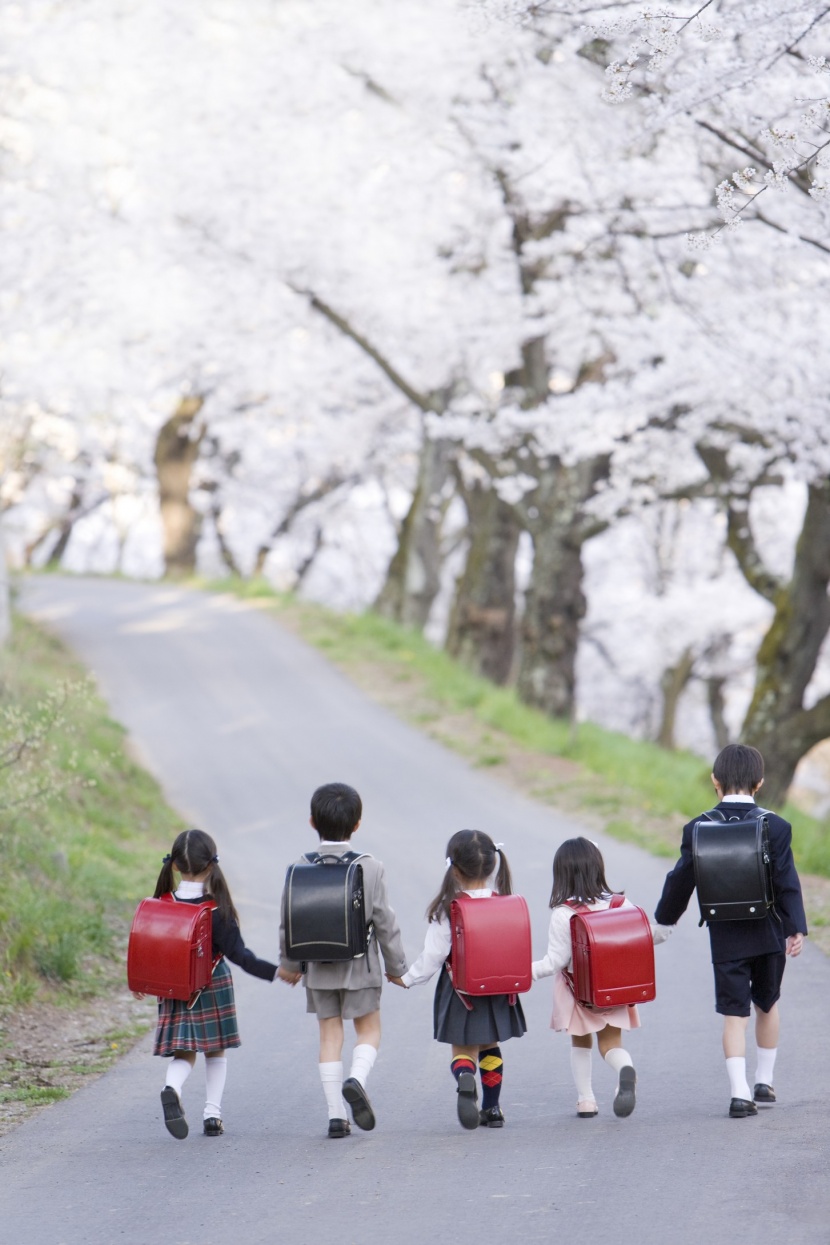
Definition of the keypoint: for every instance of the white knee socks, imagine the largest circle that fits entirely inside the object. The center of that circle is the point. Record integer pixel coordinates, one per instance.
(363, 1060)
(331, 1074)
(581, 1072)
(216, 1069)
(765, 1065)
(736, 1071)
(617, 1058)
(178, 1071)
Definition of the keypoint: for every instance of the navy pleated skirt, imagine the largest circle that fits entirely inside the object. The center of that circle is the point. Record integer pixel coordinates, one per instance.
(493, 1018)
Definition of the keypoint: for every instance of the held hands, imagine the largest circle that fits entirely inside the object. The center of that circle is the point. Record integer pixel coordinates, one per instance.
(290, 979)
(396, 981)
(795, 942)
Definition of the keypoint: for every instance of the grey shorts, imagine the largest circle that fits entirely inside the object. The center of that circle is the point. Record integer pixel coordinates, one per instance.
(349, 1004)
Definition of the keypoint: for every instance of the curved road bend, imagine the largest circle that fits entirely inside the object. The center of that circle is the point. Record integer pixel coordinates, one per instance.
(240, 721)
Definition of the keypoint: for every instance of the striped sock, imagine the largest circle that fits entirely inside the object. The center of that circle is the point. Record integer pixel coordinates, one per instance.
(462, 1063)
(491, 1064)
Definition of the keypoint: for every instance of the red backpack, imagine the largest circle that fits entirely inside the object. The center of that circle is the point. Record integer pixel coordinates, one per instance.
(170, 951)
(613, 956)
(491, 946)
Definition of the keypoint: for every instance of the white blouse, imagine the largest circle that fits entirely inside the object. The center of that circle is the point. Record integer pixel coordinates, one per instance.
(437, 946)
(558, 955)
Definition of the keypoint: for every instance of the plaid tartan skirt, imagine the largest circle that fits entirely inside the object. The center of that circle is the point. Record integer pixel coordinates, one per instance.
(209, 1025)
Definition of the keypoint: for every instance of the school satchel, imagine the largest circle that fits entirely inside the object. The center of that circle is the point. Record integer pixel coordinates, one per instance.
(325, 917)
(733, 870)
(612, 956)
(491, 946)
(170, 950)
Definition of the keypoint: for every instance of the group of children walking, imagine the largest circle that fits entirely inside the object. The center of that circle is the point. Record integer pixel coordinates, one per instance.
(748, 958)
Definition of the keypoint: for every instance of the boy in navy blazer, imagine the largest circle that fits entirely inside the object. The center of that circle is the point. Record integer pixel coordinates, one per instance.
(748, 956)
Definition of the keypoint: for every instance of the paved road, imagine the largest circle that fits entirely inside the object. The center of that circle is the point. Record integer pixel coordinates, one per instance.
(240, 721)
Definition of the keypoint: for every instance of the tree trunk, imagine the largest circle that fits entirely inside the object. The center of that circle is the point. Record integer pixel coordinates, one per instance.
(777, 722)
(716, 700)
(673, 683)
(482, 631)
(555, 603)
(414, 575)
(176, 452)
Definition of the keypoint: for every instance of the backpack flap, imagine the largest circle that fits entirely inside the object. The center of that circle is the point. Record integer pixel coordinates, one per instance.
(325, 918)
(491, 945)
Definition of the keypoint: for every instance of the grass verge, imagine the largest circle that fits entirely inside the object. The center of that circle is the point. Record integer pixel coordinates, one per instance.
(79, 822)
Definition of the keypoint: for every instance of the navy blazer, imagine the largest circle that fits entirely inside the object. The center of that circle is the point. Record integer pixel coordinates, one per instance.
(741, 940)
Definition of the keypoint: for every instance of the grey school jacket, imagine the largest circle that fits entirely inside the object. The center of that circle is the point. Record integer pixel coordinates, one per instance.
(386, 940)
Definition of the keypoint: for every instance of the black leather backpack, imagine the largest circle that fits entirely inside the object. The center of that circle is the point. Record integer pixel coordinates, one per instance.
(325, 917)
(732, 865)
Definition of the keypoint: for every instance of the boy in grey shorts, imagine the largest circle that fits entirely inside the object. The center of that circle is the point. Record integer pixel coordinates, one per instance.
(348, 989)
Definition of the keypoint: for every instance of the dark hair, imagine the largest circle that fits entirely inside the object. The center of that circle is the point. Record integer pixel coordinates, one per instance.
(578, 873)
(335, 811)
(738, 767)
(193, 851)
(473, 853)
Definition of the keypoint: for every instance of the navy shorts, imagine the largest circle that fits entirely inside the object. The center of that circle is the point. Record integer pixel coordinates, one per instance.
(757, 980)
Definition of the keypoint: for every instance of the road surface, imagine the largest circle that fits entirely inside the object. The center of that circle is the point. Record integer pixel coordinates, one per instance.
(240, 721)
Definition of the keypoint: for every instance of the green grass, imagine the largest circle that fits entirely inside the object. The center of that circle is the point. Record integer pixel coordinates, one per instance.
(34, 1095)
(644, 793)
(74, 862)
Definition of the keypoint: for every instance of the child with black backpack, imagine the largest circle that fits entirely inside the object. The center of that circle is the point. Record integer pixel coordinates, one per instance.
(346, 989)
(474, 1029)
(748, 953)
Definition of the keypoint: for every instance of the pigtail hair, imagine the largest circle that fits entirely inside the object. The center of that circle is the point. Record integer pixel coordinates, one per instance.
(164, 885)
(472, 854)
(441, 904)
(504, 878)
(194, 851)
(217, 887)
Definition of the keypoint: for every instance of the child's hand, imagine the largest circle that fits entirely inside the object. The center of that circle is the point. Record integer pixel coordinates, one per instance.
(795, 942)
(396, 981)
(136, 995)
(290, 978)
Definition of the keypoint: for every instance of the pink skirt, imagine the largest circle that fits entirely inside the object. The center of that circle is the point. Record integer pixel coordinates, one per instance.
(578, 1020)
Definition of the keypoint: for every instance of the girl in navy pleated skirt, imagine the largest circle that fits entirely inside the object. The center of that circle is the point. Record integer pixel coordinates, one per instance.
(476, 867)
(209, 1025)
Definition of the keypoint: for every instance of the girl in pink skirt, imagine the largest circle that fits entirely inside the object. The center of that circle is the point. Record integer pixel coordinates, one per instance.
(579, 882)
(209, 1025)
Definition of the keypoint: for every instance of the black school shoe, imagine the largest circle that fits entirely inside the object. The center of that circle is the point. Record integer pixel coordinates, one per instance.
(355, 1095)
(764, 1095)
(339, 1128)
(213, 1126)
(467, 1100)
(625, 1098)
(491, 1118)
(174, 1120)
(739, 1108)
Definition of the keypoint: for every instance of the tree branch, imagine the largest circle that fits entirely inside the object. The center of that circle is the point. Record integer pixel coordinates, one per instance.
(435, 402)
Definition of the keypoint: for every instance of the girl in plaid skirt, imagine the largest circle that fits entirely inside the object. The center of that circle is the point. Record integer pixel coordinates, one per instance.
(209, 1025)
